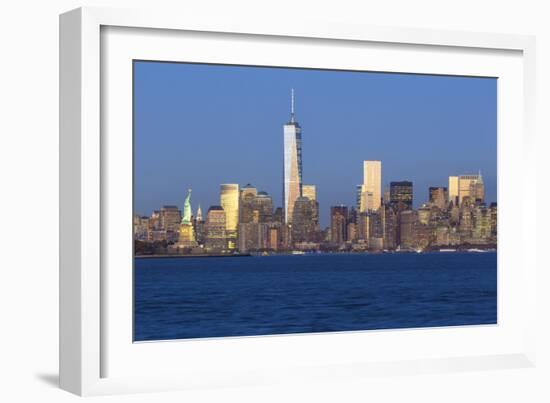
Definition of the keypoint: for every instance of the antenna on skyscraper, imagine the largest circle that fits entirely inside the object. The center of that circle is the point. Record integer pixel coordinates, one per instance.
(292, 105)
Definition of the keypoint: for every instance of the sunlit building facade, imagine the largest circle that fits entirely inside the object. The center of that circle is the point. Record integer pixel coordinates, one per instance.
(453, 189)
(229, 201)
(309, 191)
(471, 186)
(371, 190)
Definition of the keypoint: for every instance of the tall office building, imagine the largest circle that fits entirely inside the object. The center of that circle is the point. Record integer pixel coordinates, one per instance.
(470, 186)
(229, 201)
(371, 190)
(310, 192)
(200, 231)
(401, 195)
(358, 196)
(477, 189)
(292, 182)
(408, 221)
(263, 208)
(389, 222)
(338, 224)
(246, 208)
(141, 224)
(453, 189)
(215, 229)
(438, 196)
(199, 214)
(494, 213)
(170, 217)
(305, 220)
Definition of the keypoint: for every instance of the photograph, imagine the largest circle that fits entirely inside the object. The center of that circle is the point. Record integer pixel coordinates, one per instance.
(273, 200)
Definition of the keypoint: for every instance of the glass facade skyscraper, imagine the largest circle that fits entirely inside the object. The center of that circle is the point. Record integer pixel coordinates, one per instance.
(401, 195)
(292, 181)
(371, 190)
(229, 201)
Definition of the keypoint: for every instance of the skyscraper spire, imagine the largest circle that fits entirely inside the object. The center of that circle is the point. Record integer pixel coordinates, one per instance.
(292, 184)
(292, 105)
(199, 213)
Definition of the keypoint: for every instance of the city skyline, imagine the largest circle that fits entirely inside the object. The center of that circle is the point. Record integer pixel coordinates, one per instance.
(173, 177)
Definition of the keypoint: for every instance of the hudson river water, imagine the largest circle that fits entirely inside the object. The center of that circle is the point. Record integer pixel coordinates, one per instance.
(244, 296)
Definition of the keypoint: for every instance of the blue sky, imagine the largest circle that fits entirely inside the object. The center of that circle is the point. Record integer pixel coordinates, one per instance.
(197, 126)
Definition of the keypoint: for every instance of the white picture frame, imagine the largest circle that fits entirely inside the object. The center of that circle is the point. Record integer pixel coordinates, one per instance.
(96, 356)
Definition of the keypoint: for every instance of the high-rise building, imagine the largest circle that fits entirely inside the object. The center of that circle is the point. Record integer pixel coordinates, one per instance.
(338, 224)
(370, 229)
(388, 218)
(481, 230)
(408, 221)
(254, 236)
(215, 228)
(246, 210)
(470, 186)
(170, 217)
(477, 189)
(263, 207)
(424, 215)
(305, 220)
(199, 214)
(200, 231)
(292, 182)
(141, 225)
(494, 213)
(229, 201)
(358, 196)
(438, 197)
(309, 191)
(453, 189)
(466, 220)
(352, 233)
(278, 215)
(386, 198)
(371, 190)
(274, 238)
(155, 232)
(401, 195)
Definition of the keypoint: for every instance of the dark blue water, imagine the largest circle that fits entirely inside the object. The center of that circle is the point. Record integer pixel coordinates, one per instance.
(244, 296)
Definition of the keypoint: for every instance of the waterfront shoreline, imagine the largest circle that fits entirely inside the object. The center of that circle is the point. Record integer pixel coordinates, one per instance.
(190, 256)
(461, 251)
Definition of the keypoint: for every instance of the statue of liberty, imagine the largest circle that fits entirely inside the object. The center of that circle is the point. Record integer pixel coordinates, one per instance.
(187, 232)
(187, 213)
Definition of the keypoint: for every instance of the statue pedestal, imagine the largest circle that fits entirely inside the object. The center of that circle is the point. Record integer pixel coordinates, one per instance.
(187, 237)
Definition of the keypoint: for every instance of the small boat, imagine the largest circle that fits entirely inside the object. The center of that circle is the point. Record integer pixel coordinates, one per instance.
(447, 250)
(297, 252)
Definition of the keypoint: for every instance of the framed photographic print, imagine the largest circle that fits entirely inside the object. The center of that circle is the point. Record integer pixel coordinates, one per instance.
(251, 202)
